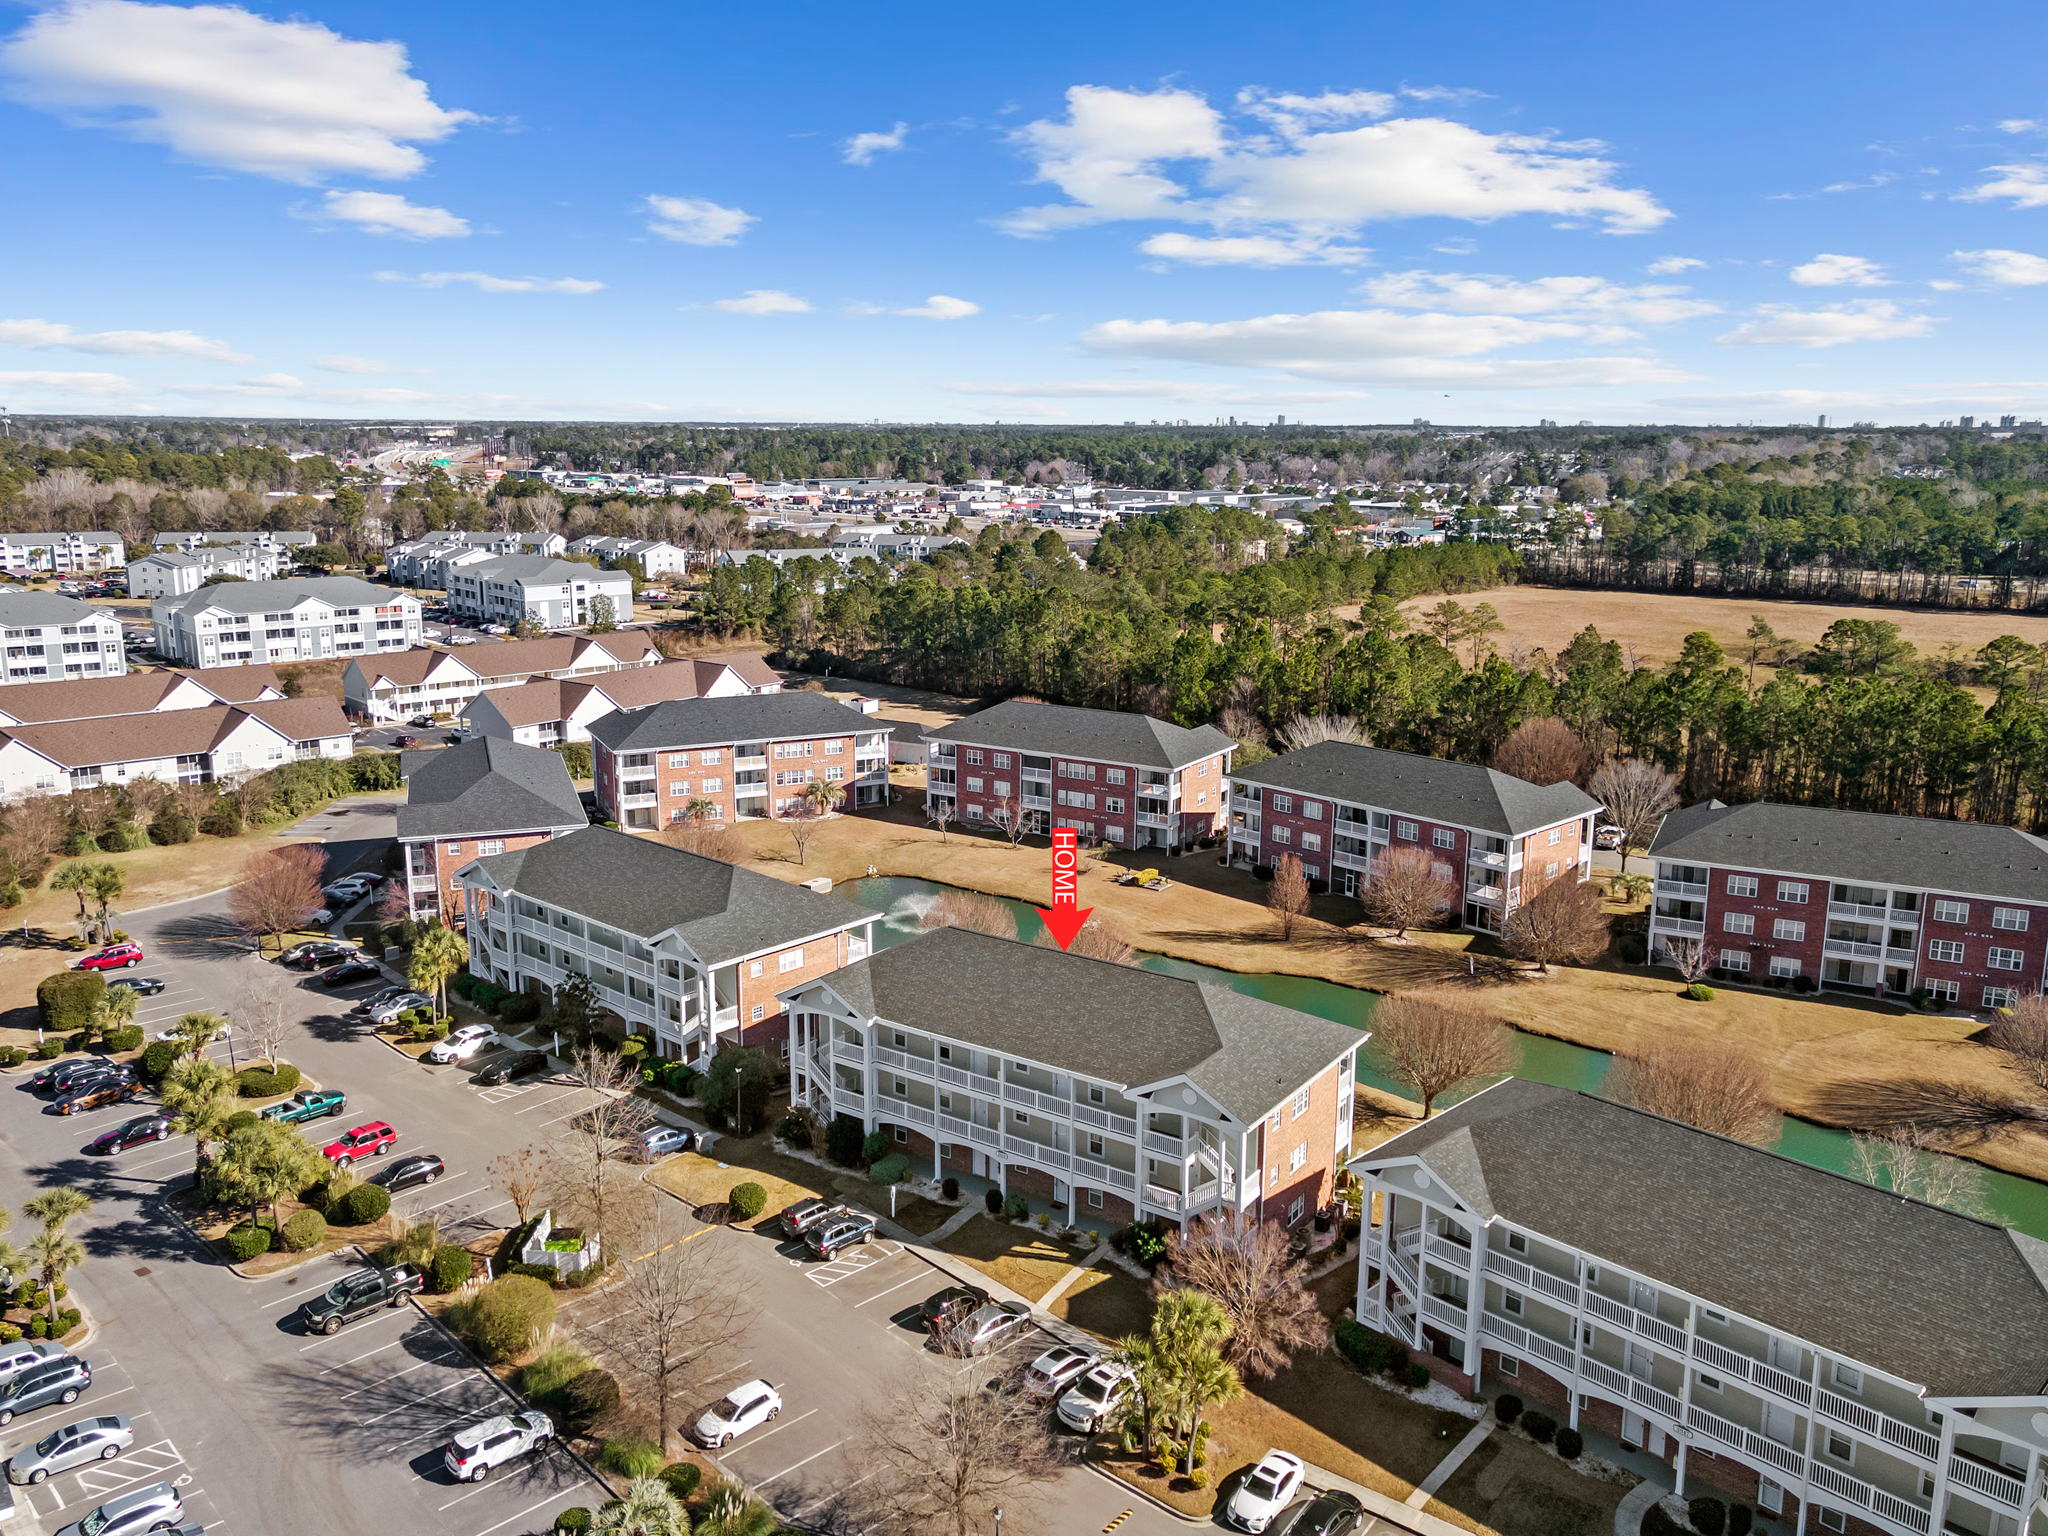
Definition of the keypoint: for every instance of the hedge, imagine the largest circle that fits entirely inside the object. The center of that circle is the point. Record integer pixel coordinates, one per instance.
(573, 1521)
(890, 1169)
(747, 1201)
(157, 1060)
(520, 1009)
(843, 1141)
(630, 1456)
(1367, 1350)
(363, 1204)
(303, 1230)
(682, 1477)
(504, 1318)
(450, 1267)
(127, 1038)
(66, 1000)
(268, 1082)
(245, 1241)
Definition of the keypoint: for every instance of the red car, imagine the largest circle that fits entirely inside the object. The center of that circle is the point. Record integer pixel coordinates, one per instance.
(113, 957)
(372, 1140)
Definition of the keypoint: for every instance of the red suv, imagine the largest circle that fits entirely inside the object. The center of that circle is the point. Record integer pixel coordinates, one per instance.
(372, 1140)
(113, 957)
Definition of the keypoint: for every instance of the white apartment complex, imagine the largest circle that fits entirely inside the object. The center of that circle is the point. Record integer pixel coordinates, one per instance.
(241, 623)
(656, 557)
(429, 681)
(426, 561)
(93, 550)
(46, 638)
(555, 594)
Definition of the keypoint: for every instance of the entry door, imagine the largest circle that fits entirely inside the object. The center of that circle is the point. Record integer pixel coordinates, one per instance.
(1639, 1362)
(1779, 1424)
(1642, 1297)
(1635, 1429)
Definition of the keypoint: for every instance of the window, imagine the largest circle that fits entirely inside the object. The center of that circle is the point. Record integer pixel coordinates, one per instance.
(494, 845)
(789, 959)
(1281, 834)
(678, 789)
(1708, 1383)
(454, 850)
(2013, 918)
(1443, 837)
(1770, 1496)
(1847, 1377)
(1295, 1208)
(945, 1053)
(1742, 885)
(1407, 831)
(1839, 1447)
(1507, 1366)
(1300, 1105)
(1297, 1157)
(2002, 959)
(1792, 890)
(1518, 1242)
(2001, 997)
(1312, 809)
(1095, 1147)
(1020, 1117)
(1556, 836)
(1951, 911)
(1097, 1094)
(1312, 842)
(899, 1087)
(1790, 929)
(1094, 1199)
(1950, 950)
(1550, 870)
(1714, 1317)
(973, 784)
(679, 759)
(708, 759)
(973, 755)
(1943, 987)
(1738, 922)
(753, 968)
(1734, 959)
(1511, 1303)
(711, 787)
(757, 1013)
(1114, 775)
(1784, 965)
(1284, 804)
(898, 1039)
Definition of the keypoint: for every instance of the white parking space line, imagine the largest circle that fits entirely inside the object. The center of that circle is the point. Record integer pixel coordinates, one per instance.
(779, 1476)
(553, 1498)
(567, 1114)
(389, 1312)
(37, 1413)
(754, 1440)
(839, 1492)
(420, 1402)
(912, 1280)
(366, 1354)
(382, 1380)
(544, 1103)
(178, 1156)
(461, 1194)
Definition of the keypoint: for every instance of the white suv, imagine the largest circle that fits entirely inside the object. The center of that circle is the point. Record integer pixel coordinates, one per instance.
(463, 1043)
(474, 1453)
(1090, 1402)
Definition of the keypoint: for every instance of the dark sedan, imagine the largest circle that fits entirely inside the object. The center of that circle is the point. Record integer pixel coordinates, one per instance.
(419, 1168)
(943, 1309)
(140, 1131)
(348, 973)
(510, 1069)
(1335, 1513)
(141, 986)
(318, 953)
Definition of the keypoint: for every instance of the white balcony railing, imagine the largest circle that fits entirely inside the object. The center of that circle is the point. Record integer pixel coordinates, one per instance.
(1991, 1482)
(1524, 1342)
(1457, 1255)
(1880, 1426)
(1639, 1323)
(1491, 860)
(1888, 1505)
(974, 1080)
(1633, 1388)
(1450, 1313)
(1853, 948)
(1159, 1199)
(1169, 1146)
(1692, 889)
(1530, 1278)
(1102, 1119)
(968, 1130)
(1772, 1453)
(1104, 1173)
(901, 1061)
(1044, 1156)
(1731, 1362)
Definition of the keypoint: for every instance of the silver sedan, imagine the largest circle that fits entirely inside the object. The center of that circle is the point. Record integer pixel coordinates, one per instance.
(100, 1439)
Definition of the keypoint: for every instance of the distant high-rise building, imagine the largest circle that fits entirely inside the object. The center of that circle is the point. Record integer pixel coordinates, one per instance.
(1821, 421)
(2008, 422)
(1545, 421)
(1968, 422)
(1279, 421)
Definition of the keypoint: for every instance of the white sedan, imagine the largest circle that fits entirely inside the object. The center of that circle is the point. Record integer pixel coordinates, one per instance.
(1265, 1491)
(463, 1043)
(745, 1407)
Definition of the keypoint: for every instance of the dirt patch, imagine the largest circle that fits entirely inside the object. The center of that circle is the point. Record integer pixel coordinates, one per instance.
(1107, 1302)
(1029, 1263)
(1509, 1487)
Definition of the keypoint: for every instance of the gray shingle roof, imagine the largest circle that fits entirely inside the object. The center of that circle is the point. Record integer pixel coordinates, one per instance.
(32, 610)
(1970, 858)
(277, 596)
(1115, 1023)
(716, 722)
(1104, 735)
(543, 569)
(487, 786)
(1950, 1303)
(646, 889)
(1431, 788)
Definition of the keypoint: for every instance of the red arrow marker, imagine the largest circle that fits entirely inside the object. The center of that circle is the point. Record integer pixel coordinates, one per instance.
(1063, 919)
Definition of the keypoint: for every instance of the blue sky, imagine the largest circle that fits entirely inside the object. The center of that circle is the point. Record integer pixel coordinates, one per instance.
(1054, 212)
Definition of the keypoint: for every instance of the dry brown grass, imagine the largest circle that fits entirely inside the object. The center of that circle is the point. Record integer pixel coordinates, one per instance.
(1029, 1263)
(1510, 1487)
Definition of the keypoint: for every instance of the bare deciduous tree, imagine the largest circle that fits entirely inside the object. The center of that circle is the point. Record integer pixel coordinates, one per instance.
(1408, 888)
(1563, 921)
(262, 1011)
(944, 1452)
(1287, 896)
(1716, 1087)
(802, 818)
(1638, 796)
(1307, 730)
(675, 1307)
(1543, 750)
(523, 1175)
(2022, 1034)
(1247, 1265)
(972, 911)
(1099, 939)
(1009, 816)
(279, 891)
(1688, 956)
(707, 839)
(1906, 1163)
(1435, 1047)
(584, 1182)
(939, 813)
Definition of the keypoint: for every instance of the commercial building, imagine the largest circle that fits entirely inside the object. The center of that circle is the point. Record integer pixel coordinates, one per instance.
(265, 622)
(1340, 808)
(184, 746)
(1121, 778)
(1838, 1356)
(555, 594)
(683, 948)
(431, 681)
(44, 637)
(543, 713)
(1797, 896)
(473, 801)
(1115, 1092)
(95, 549)
(734, 758)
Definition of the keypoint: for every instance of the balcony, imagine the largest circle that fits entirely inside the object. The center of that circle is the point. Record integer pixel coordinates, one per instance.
(903, 1109)
(1103, 1173)
(916, 1066)
(1633, 1389)
(1730, 1362)
(1167, 1200)
(1852, 948)
(1167, 1146)
(1981, 1477)
(1149, 819)
(1491, 895)
(1444, 1310)
(1866, 912)
(1044, 1156)
(1641, 1324)
(1523, 1342)
(1052, 1103)
(1785, 1458)
(1694, 890)
(974, 1080)
(1530, 1278)
(1490, 860)
(968, 1130)
(1887, 1506)
(1102, 1119)
(1689, 927)
(1448, 1251)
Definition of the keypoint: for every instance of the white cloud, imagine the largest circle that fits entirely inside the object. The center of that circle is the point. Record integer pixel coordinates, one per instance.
(1832, 271)
(1862, 320)
(40, 335)
(1577, 298)
(485, 282)
(386, 213)
(225, 87)
(1291, 114)
(1879, 179)
(346, 362)
(1671, 266)
(695, 220)
(97, 385)
(1111, 154)
(263, 386)
(1251, 250)
(2003, 269)
(764, 301)
(862, 148)
(940, 306)
(2025, 184)
(1457, 245)
(2022, 125)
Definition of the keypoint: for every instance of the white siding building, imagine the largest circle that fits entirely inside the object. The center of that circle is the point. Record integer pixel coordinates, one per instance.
(44, 638)
(426, 562)
(657, 557)
(93, 550)
(241, 623)
(555, 594)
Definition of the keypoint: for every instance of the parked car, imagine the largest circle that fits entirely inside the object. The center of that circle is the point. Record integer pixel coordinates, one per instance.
(405, 739)
(58, 1379)
(379, 998)
(1335, 1513)
(140, 1131)
(1607, 835)
(155, 1508)
(98, 1094)
(984, 1329)
(404, 1172)
(405, 1002)
(1057, 1369)
(74, 1445)
(62, 1077)
(317, 954)
(662, 1140)
(844, 1230)
(422, 721)
(798, 1219)
(359, 1294)
(1266, 1490)
(942, 1309)
(222, 1033)
(509, 1069)
(462, 1043)
(23, 1353)
(371, 1140)
(348, 973)
(745, 1407)
(1093, 1400)
(113, 958)
(307, 1104)
(472, 1453)
(141, 986)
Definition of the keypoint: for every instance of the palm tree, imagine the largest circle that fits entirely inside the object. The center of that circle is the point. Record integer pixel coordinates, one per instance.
(437, 954)
(75, 878)
(200, 1096)
(824, 796)
(699, 809)
(115, 1009)
(648, 1509)
(105, 883)
(194, 1032)
(13, 1262)
(1180, 1369)
(52, 1251)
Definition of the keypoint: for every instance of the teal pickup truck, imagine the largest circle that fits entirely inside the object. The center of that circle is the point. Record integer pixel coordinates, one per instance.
(307, 1104)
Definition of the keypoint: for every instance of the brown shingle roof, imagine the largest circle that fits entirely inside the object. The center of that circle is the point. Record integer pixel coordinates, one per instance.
(235, 685)
(634, 688)
(87, 698)
(301, 719)
(175, 732)
(530, 703)
(508, 658)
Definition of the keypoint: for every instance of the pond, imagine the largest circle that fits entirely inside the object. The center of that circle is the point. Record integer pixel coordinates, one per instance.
(2008, 1198)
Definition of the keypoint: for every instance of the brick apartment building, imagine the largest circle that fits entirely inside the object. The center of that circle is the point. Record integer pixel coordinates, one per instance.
(1835, 1356)
(1114, 1092)
(740, 758)
(1340, 807)
(1803, 897)
(473, 801)
(1115, 777)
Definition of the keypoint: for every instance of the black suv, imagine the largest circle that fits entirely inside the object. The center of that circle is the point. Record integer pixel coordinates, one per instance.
(358, 1295)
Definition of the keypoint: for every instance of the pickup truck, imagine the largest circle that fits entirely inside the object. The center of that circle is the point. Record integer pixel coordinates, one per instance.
(360, 1294)
(307, 1104)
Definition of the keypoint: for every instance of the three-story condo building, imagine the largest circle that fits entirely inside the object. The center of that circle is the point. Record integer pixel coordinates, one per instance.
(47, 638)
(264, 622)
(734, 758)
(472, 801)
(1120, 778)
(1118, 1093)
(1340, 807)
(685, 949)
(1840, 1357)
(1797, 896)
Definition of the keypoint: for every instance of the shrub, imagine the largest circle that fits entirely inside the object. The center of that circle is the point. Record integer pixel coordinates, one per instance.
(245, 1241)
(795, 1130)
(680, 1079)
(747, 1200)
(630, 1456)
(428, 1029)
(126, 1038)
(587, 1399)
(158, 1057)
(1141, 1243)
(1539, 1426)
(1016, 1207)
(890, 1169)
(1198, 1479)
(10, 1333)
(363, 1204)
(303, 1230)
(1416, 1376)
(67, 1320)
(1507, 1407)
(587, 1277)
(950, 1188)
(993, 1199)
(267, 1082)
(1570, 1443)
(12, 1056)
(1699, 992)
(551, 1370)
(519, 1009)
(172, 825)
(545, 1272)
(504, 1318)
(65, 1001)
(450, 1267)
(242, 1119)
(78, 1040)
(572, 1521)
(632, 1048)
(874, 1147)
(50, 1049)
(682, 1477)
(843, 1141)
(1741, 1519)
(1709, 1516)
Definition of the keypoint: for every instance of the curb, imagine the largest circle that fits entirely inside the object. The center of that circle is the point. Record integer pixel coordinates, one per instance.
(1150, 1498)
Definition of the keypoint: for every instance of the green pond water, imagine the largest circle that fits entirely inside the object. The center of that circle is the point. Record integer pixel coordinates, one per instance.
(2015, 1201)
